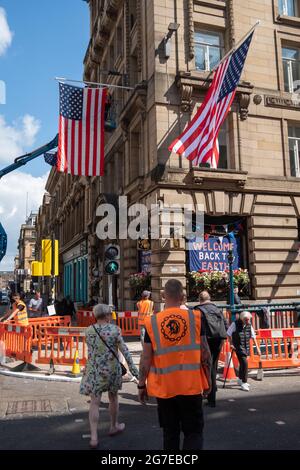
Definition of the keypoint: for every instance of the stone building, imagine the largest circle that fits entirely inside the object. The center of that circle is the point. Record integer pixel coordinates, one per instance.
(26, 248)
(165, 50)
(6, 278)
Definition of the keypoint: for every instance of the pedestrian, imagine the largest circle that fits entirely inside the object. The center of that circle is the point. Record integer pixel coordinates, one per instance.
(215, 327)
(69, 307)
(236, 297)
(240, 334)
(59, 305)
(175, 368)
(103, 370)
(19, 312)
(145, 308)
(35, 306)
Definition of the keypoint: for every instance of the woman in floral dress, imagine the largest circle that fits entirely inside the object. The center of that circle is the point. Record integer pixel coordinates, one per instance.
(103, 372)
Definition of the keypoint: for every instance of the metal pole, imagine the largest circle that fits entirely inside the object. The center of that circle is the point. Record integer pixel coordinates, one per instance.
(62, 79)
(110, 293)
(53, 280)
(231, 285)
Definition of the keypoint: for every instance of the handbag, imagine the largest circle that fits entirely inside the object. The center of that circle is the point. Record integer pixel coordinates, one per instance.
(123, 368)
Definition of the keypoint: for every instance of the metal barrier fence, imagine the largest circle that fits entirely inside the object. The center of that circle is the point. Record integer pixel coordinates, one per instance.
(280, 315)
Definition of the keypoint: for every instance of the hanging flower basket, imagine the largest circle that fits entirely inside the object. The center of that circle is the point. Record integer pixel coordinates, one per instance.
(217, 283)
(138, 283)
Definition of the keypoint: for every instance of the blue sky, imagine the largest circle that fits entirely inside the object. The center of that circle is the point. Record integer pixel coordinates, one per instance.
(38, 41)
(49, 39)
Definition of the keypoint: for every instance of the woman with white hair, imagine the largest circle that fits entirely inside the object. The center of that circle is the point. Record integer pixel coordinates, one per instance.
(103, 371)
(240, 333)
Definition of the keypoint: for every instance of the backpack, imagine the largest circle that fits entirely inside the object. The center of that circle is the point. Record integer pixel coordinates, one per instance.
(214, 322)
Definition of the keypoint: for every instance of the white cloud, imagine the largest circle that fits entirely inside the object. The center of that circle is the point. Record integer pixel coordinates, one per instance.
(5, 32)
(13, 190)
(13, 138)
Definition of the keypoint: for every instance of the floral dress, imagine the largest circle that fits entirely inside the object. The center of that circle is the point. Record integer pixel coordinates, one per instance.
(103, 372)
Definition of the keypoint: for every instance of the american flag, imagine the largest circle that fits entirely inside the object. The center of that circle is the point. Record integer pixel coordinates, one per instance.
(81, 130)
(198, 142)
(50, 158)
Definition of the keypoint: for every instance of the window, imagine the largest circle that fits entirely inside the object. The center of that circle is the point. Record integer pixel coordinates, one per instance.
(32, 252)
(288, 7)
(294, 150)
(291, 68)
(208, 49)
(223, 149)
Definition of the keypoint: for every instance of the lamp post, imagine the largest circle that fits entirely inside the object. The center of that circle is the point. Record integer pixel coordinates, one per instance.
(230, 258)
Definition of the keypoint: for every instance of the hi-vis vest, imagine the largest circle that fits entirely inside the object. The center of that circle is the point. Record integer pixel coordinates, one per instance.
(21, 318)
(176, 363)
(145, 308)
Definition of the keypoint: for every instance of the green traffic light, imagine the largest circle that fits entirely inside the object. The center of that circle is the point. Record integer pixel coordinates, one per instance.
(111, 267)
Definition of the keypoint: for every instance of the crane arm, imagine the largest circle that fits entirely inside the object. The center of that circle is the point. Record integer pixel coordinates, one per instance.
(23, 159)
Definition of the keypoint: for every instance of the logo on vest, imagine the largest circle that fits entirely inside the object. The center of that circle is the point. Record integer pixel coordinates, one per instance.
(174, 328)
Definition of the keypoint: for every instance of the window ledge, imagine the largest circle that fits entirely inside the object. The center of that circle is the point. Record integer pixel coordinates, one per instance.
(291, 20)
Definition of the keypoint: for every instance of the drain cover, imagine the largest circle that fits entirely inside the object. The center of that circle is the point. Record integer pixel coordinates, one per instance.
(28, 406)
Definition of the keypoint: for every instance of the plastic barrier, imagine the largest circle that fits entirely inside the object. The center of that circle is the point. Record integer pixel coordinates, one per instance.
(38, 322)
(85, 318)
(280, 348)
(17, 341)
(128, 322)
(61, 344)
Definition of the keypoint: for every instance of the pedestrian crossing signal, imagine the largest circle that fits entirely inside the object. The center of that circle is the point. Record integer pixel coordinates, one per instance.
(112, 259)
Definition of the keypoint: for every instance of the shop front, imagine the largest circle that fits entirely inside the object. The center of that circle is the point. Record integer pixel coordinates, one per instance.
(76, 273)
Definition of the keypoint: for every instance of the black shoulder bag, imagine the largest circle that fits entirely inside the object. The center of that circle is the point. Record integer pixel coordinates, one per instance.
(124, 370)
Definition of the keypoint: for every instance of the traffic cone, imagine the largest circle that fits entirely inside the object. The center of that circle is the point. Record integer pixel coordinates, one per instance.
(228, 372)
(76, 365)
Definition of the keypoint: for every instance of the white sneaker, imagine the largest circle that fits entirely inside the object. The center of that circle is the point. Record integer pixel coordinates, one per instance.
(245, 387)
(239, 381)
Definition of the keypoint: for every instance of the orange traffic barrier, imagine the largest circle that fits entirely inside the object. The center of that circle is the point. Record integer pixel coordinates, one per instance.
(61, 344)
(85, 318)
(228, 373)
(128, 322)
(39, 322)
(280, 348)
(17, 341)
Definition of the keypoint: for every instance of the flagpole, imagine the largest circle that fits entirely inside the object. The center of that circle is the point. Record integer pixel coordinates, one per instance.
(62, 79)
(236, 46)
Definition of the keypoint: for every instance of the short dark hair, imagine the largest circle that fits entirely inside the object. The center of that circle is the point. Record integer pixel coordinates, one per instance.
(174, 289)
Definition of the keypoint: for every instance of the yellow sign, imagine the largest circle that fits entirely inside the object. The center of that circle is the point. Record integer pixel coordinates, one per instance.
(44, 267)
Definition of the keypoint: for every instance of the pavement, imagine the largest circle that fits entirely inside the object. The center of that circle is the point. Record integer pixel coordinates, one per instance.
(53, 416)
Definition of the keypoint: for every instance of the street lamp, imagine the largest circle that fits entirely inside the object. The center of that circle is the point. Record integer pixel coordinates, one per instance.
(230, 258)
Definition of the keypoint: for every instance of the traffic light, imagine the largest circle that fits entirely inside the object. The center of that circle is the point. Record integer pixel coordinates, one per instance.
(112, 259)
(44, 267)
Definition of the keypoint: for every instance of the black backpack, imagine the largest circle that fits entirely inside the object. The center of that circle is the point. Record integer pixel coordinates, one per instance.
(214, 321)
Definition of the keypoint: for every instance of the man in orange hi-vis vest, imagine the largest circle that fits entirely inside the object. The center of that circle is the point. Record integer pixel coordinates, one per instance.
(145, 308)
(175, 368)
(19, 311)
